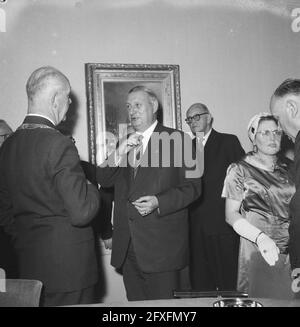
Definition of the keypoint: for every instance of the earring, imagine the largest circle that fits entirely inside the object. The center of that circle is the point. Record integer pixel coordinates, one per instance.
(255, 149)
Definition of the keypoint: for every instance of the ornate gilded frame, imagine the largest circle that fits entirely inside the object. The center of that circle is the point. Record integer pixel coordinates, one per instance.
(107, 86)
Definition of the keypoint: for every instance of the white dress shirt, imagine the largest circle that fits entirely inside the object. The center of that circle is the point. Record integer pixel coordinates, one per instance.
(147, 134)
(205, 137)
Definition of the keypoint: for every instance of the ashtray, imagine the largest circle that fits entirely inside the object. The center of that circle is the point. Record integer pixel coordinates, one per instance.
(236, 302)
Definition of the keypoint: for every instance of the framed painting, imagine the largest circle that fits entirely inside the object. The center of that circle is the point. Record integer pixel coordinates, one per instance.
(107, 87)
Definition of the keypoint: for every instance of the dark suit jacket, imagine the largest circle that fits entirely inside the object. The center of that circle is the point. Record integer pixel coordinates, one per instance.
(44, 194)
(102, 222)
(294, 228)
(208, 212)
(160, 240)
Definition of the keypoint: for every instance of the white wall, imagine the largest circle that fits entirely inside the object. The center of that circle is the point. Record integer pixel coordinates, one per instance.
(232, 53)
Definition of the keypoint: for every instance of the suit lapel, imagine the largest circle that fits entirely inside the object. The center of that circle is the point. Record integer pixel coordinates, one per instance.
(210, 144)
(144, 170)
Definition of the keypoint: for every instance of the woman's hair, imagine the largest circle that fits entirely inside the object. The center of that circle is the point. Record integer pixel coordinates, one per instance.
(256, 120)
(268, 118)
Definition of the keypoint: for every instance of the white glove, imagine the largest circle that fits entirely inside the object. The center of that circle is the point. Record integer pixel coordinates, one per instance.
(246, 230)
(266, 245)
(267, 248)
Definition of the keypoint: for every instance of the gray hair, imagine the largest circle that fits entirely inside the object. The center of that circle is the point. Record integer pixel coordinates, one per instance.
(289, 86)
(200, 106)
(145, 89)
(41, 78)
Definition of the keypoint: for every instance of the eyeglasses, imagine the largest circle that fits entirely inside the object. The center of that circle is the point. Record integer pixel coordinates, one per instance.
(267, 133)
(196, 117)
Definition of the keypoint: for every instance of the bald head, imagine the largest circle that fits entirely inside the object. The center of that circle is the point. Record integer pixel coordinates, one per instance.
(199, 106)
(199, 118)
(48, 93)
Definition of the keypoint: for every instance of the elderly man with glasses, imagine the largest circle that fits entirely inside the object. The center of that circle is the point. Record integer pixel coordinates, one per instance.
(213, 243)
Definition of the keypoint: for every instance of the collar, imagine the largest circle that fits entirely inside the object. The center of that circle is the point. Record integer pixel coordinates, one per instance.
(42, 116)
(251, 159)
(147, 134)
(205, 137)
(38, 119)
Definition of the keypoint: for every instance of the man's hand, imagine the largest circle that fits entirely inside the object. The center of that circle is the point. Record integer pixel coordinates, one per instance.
(108, 243)
(268, 249)
(146, 204)
(128, 144)
(125, 146)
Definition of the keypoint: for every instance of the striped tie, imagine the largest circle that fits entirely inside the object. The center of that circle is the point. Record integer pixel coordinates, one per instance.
(137, 155)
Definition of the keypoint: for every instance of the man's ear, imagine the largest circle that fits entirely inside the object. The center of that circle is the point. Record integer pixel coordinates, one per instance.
(155, 105)
(210, 119)
(54, 100)
(292, 108)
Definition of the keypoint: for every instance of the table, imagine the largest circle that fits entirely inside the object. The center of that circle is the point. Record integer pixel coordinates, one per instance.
(193, 302)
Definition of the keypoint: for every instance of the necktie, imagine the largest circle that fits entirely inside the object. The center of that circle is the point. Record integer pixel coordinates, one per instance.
(137, 156)
(200, 138)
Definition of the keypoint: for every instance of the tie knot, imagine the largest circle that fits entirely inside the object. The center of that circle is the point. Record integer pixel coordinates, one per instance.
(200, 137)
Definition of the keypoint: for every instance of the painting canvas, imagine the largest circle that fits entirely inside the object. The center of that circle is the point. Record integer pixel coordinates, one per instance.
(107, 89)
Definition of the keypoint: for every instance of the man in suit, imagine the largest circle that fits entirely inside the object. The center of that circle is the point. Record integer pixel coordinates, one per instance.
(45, 201)
(102, 222)
(285, 104)
(213, 243)
(150, 235)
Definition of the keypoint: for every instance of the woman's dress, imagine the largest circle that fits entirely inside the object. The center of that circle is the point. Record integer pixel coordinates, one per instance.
(265, 196)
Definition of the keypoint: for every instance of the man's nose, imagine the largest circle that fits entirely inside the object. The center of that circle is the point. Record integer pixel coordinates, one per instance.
(133, 110)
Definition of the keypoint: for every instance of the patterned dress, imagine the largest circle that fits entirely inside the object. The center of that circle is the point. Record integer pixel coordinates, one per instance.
(265, 196)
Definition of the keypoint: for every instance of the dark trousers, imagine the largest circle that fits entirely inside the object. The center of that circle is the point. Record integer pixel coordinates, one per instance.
(147, 286)
(214, 262)
(84, 296)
